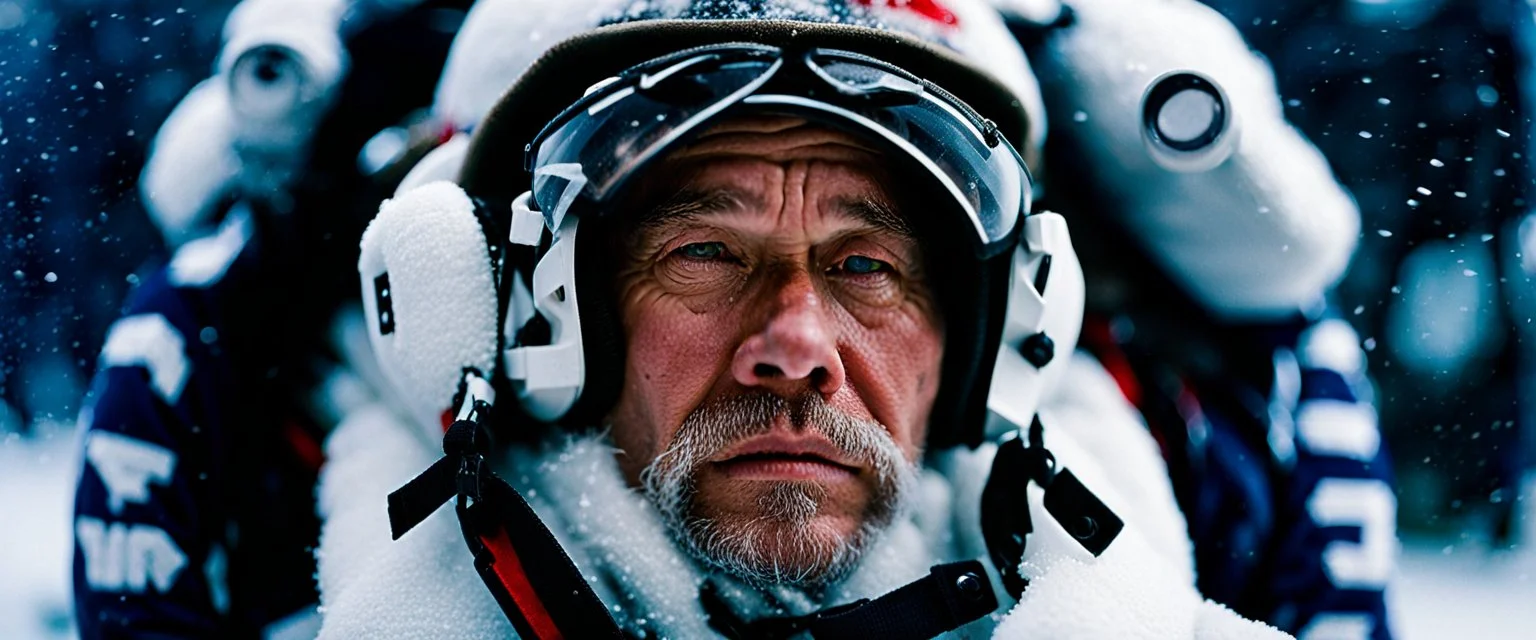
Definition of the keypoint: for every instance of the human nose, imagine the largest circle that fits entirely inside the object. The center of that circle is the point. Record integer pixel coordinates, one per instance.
(796, 347)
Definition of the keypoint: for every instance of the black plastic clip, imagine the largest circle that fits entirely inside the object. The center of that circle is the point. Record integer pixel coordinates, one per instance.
(1005, 519)
(458, 473)
(1081, 513)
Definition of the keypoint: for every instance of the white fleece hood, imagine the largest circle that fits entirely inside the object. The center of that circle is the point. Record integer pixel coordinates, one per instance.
(424, 585)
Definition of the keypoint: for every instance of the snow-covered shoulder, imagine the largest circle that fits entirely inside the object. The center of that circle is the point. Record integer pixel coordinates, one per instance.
(1094, 431)
(423, 585)
(1142, 586)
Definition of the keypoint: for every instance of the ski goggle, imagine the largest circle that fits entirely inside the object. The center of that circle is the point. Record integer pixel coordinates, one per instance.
(596, 145)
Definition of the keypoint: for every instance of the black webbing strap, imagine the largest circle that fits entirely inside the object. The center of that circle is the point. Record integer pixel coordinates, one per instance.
(1005, 519)
(538, 587)
(416, 500)
(951, 595)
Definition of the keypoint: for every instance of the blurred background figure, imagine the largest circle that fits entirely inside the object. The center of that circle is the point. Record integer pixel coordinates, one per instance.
(1218, 233)
(1423, 108)
(84, 85)
(244, 258)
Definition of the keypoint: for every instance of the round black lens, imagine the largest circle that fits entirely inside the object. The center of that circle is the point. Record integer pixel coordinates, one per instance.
(1184, 112)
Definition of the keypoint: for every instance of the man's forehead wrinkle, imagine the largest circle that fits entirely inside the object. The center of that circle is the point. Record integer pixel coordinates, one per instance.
(691, 203)
(875, 212)
(755, 194)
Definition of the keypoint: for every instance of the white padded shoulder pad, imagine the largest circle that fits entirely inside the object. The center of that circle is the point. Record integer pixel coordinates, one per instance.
(430, 296)
(191, 165)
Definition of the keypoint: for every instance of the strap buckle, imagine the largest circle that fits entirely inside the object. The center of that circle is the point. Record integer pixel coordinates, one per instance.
(950, 596)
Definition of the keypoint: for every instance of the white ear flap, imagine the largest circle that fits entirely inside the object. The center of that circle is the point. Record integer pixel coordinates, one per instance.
(430, 298)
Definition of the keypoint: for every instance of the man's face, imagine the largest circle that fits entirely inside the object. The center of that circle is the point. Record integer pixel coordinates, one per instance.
(783, 348)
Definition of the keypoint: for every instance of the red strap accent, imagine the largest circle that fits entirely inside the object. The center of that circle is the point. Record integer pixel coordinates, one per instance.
(304, 445)
(509, 570)
(447, 419)
(1099, 341)
(930, 9)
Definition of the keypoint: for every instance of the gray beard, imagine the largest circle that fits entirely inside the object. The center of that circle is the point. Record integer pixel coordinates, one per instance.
(783, 545)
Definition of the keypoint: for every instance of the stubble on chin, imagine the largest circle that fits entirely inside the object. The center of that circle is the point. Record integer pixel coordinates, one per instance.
(788, 542)
(790, 538)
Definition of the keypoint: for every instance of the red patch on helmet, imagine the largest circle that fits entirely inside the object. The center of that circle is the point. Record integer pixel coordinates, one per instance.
(930, 9)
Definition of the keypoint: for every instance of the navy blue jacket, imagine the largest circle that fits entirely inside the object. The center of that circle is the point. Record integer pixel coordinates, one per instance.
(1280, 470)
(195, 513)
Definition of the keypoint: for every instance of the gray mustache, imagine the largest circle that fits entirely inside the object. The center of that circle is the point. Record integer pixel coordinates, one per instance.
(718, 425)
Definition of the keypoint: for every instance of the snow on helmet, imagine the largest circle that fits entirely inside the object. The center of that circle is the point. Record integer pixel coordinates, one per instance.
(482, 64)
(597, 107)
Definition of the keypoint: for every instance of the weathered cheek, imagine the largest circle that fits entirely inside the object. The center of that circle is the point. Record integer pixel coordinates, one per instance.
(895, 368)
(667, 340)
(672, 358)
(920, 353)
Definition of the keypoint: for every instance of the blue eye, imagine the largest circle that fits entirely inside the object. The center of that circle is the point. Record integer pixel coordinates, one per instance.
(860, 265)
(702, 250)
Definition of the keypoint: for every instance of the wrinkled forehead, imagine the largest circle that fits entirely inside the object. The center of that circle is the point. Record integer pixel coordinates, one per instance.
(776, 138)
(722, 169)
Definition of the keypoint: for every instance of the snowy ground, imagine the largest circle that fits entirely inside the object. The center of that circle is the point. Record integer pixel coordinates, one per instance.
(37, 480)
(1464, 593)
(1445, 589)
(1462, 589)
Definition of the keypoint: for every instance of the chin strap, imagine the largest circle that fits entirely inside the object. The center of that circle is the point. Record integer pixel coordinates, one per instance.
(949, 597)
(538, 587)
(546, 598)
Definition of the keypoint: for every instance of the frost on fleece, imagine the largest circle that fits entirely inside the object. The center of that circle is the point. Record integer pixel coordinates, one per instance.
(442, 296)
(421, 586)
(1125, 593)
(424, 584)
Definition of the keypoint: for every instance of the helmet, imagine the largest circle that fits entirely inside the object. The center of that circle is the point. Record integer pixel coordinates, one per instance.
(485, 284)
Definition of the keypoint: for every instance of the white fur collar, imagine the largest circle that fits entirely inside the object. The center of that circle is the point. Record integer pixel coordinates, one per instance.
(618, 540)
(425, 585)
